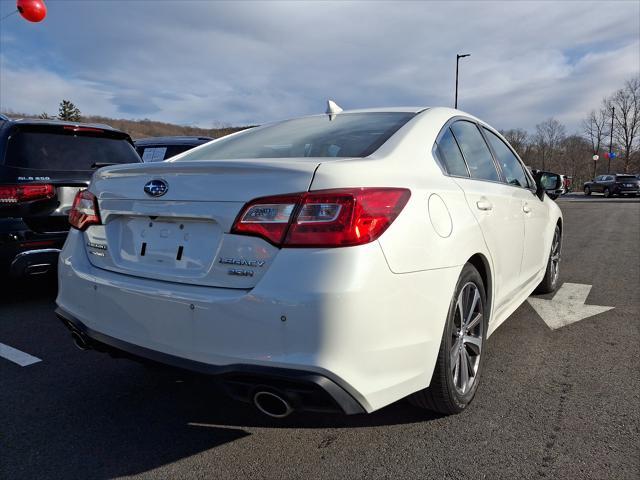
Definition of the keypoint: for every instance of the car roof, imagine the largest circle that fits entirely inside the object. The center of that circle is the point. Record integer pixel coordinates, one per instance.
(55, 122)
(172, 140)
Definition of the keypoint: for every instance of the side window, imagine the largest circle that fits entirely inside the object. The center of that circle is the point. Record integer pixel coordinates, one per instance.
(509, 163)
(450, 155)
(475, 151)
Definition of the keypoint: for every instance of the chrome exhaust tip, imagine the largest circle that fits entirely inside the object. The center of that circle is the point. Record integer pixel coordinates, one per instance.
(272, 404)
(79, 341)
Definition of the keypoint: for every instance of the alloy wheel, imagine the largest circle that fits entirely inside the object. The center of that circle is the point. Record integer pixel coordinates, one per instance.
(466, 338)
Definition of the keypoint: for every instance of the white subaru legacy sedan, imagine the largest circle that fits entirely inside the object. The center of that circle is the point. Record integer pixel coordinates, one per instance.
(334, 262)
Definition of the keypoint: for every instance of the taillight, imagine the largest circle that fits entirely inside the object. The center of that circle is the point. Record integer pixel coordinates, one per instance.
(327, 218)
(84, 211)
(267, 217)
(26, 193)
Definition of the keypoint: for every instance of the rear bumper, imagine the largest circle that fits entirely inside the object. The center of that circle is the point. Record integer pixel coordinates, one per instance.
(24, 252)
(339, 313)
(307, 391)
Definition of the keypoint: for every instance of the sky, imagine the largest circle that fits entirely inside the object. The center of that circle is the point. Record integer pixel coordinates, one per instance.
(211, 64)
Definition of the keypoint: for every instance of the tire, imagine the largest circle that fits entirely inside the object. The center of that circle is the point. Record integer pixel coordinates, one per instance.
(447, 393)
(550, 281)
(606, 192)
(587, 191)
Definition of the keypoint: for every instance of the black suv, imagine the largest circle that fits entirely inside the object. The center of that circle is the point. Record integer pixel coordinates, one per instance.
(43, 164)
(157, 149)
(609, 185)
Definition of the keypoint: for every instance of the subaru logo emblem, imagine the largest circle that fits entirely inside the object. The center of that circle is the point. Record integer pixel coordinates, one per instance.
(156, 188)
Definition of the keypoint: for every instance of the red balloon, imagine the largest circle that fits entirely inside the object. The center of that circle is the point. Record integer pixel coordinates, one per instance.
(32, 10)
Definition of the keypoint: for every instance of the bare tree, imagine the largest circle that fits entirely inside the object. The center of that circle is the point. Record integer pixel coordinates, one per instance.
(626, 129)
(548, 140)
(519, 139)
(576, 159)
(595, 127)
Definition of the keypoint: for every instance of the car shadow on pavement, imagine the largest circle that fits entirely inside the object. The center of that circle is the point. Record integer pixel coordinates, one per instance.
(117, 418)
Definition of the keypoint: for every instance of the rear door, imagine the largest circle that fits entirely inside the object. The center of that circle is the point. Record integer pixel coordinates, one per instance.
(497, 207)
(60, 160)
(533, 210)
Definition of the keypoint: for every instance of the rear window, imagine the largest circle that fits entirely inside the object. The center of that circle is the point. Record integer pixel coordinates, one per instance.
(625, 178)
(344, 135)
(159, 153)
(46, 150)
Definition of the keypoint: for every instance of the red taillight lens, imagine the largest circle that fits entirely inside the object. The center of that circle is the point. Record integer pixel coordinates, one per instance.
(267, 217)
(25, 193)
(328, 218)
(341, 218)
(84, 211)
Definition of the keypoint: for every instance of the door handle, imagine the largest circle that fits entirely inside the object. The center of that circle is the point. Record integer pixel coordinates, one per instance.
(484, 205)
(526, 208)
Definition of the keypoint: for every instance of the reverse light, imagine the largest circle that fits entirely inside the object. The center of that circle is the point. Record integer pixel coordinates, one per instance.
(25, 193)
(326, 218)
(84, 211)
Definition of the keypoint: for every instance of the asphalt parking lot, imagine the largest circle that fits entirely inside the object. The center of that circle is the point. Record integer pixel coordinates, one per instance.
(553, 403)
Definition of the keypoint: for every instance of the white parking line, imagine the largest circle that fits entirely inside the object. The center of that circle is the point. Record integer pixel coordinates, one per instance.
(16, 356)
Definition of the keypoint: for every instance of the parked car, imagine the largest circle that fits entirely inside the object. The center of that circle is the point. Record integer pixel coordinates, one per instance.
(43, 164)
(335, 262)
(566, 184)
(609, 185)
(157, 149)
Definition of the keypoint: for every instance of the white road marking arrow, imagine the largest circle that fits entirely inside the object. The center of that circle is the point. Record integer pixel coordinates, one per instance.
(17, 356)
(567, 306)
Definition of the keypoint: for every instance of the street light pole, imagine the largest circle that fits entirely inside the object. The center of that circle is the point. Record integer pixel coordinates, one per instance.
(458, 57)
(613, 114)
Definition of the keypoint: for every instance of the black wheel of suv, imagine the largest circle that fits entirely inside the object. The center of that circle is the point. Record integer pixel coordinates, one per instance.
(457, 372)
(587, 191)
(607, 193)
(550, 281)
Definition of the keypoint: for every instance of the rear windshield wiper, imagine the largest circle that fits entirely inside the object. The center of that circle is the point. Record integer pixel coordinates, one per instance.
(102, 164)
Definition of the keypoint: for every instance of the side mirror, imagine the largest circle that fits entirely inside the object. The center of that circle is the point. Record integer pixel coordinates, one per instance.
(549, 183)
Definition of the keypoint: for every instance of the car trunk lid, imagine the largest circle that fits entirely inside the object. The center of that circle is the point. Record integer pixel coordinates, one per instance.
(182, 236)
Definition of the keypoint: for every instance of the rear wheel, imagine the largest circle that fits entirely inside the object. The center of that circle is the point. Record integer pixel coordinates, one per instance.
(550, 281)
(587, 191)
(457, 372)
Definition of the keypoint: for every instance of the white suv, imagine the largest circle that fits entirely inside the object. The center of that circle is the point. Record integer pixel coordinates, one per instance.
(332, 262)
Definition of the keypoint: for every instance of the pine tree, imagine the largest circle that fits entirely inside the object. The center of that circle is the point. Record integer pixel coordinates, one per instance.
(68, 111)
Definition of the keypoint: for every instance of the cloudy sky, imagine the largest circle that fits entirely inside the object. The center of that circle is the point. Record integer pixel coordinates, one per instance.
(209, 63)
